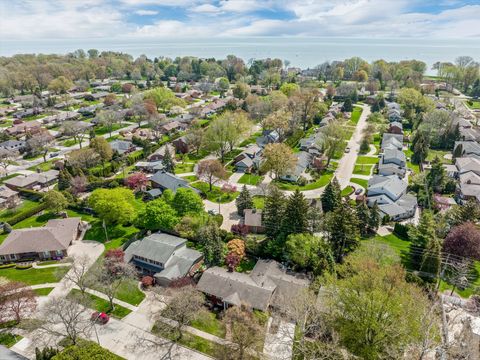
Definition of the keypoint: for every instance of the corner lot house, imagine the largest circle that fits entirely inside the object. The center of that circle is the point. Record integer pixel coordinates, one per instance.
(47, 242)
(164, 256)
(267, 285)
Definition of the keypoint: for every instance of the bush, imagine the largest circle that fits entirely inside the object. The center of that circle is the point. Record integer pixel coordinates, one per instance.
(26, 214)
(147, 281)
(6, 266)
(401, 230)
(23, 266)
(239, 229)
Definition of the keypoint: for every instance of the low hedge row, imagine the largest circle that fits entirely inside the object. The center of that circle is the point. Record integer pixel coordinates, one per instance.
(6, 266)
(23, 267)
(26, 214)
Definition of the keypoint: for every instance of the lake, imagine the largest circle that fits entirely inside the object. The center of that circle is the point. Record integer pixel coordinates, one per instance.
(300, 51)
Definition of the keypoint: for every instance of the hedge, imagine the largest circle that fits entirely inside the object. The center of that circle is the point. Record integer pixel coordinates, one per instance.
(26, 214)
(6, 266)
(401, 230)
(23, 267)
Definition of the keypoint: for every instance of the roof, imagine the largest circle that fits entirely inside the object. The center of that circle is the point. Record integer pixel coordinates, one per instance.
(391, 142)
(468, 147)
(245, 162)
(253, 217)
(5, 192)
(390, 154)
(404, 204)
(466, 164)
(12, 143)
(383, 184)
(57, 234)
(469, 177)
(121, 146)
(397, 124)
(151, 165)
(169, 181)
(23, 181)
(7, 354)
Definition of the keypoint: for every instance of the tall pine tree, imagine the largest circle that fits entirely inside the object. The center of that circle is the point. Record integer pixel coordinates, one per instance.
(273, 212)
(363, 215)
(213, 246)
(64, 180)
(374, 218)
(295, 220)
(244, 201)
(167, 161)
(332, 196)
(420, 236)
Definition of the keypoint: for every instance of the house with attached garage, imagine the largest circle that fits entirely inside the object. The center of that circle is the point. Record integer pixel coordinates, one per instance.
(392, 162)
(8, 198)
(33, 181)
(166, 181)
(248, 159)
(163, 256)
(468, 174)
(466, 148)
(390, 194)
(13, 145)
(392, 141)
(304, 159)
(122, 147)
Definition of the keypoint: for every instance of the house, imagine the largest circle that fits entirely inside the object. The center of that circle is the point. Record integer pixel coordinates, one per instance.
(149, 166)
(466, 165)
(268, 285)
(390, 194)
(468, 174)
(29, 127)
(392, 141)
(246, 160)
(28, 112)
(90, 110)
(181, 145)
(48, 242)
(172, 127)
(8, 198)
(304, 160)
(13, 145)
(394, 115)
(32, 181)
(245, 165)
(152, 194)
(392, 162)
(163, 256)
(253, 221)
(158, 154)
(61, 117)
(466, 148)
(122, 147)
(165, 181)
(395, 127)
(268, 137)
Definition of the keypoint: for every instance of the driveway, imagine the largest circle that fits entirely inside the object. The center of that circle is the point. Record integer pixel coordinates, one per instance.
(228, 211)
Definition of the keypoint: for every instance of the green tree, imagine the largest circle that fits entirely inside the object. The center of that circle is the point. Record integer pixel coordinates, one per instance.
(347, 105)
(436, 176)
(363, 215)
(289, 88)
(55, 201)
(187, 201)
(86, 350)
(244, 201)
(223, 85)
(332, 196)
(273, 212)
(46, 353)
(213, 246)
(158, 215)
(64, 180)
(114, 206)
(431, 259)
(374, 218)
(309, 252)
(163, 98)
(103, 149)
(420, 147)
(167, 161)
(295, 219)
(341, 226)
(420, 235)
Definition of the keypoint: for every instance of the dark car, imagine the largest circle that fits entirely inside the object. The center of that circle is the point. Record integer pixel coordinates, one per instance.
(358, 191)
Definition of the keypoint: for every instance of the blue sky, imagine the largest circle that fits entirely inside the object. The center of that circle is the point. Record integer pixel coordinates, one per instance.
(170, 19)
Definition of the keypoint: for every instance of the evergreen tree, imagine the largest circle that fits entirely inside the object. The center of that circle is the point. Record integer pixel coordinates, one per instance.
(167, 161)
(342, 229)
(46, 353)
(332, 196)
(213, 246)
(436, 176)
(244, 201)
(458, 151)
(273, 212)
(363, 215)
(64, 180)
(347, 105)
(420, 146)
(374, 219)
(295, 219)
(420, 236)
(431, 258)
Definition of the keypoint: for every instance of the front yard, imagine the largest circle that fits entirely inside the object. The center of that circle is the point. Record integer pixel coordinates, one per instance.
(33, 276)
(217, 195)
(102, 305)
(250, 179)
(322, 181)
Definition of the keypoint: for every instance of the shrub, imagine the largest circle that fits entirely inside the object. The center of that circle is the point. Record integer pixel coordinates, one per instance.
(239, 229)
(6, 266)
(26, 214)
(401, 230)
(23, 266)
(147, 281)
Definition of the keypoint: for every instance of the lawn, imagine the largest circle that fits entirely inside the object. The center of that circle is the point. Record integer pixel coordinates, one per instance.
(216, 195)
(45, 166)
(362, 182)
(8, 339)
(473, 104)
(43, 291)
(347, 191)
(102, 305)
(189, 178)
(35, 276)
(363, 169)
(440, 154)
(251, 140)
(69, 142)
(207, 321)
(250, 179)
(102, 130)
(181, 168)
(322, 181)
(26, 205)
(357, 111)
(367, 160)
(259, 202)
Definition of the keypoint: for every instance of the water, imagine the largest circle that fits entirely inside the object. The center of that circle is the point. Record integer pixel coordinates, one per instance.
(300, 51)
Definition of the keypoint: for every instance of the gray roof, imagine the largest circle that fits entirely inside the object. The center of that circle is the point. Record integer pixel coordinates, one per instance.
(245, 162)
(253, 217)
(396, 123)
(466, 164)
(121, 146)
(154, 193)
(392, 142)
(391, 154)
(42, 178)
(169, 181)
(7, 354)
(468, 147)
(406, 203)
(392, 184)
(13, 143)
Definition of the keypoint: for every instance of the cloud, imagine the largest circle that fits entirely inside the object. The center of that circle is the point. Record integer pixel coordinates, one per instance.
(206, 9)
(146, 12)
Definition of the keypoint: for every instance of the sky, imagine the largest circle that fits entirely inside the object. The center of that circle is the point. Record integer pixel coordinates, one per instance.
(171, 19)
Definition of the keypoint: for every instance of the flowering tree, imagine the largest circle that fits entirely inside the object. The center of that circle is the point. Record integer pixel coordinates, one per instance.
(16, 301)
(137, 181)
(232, 260)
(236, 246)
(239, 229)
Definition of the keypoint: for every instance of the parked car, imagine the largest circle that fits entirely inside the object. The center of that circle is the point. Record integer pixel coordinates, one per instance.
(52, 155)
(100, 318)
(347, 149)
(358, 191)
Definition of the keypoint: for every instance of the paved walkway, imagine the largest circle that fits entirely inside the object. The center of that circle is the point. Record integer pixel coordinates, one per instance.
(279, 345)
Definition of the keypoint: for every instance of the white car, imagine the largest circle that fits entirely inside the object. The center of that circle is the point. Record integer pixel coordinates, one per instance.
(347, 149)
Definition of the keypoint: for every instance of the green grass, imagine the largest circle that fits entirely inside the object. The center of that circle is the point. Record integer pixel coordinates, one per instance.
(183, 168)
(250, 179)
(347, 191)
(251, 140)
(357, 111)
(363, 169)
(102, 130)
(367, 160)
(26, 205)
(361, 182)
(45, 166)
(8, 339)
(440, 154)
(473, 104)
(69, 142)
(102, 305)
(216, 195)
(207, 321)
(35, 276)
(43, 291)
(259, 202)
(322, 181)
(190, 178)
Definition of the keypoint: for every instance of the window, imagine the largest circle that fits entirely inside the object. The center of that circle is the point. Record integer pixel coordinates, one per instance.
(13, 256)
(46, 253)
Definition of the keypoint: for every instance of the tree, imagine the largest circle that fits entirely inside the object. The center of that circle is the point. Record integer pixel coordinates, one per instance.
(108, 119)
(114, 206)
(332, 139)
(304, 105)
(103, 149)
(244, 329)
(40, 144)
(414, 104)
(273, 212)
(212, 170)
(279, 159)
(289, 88)
(77, 274)
(309, 252)
(137, 181)
(332, 196)
(194, 138)
(60, 85)
(295, 216)
(374, 218)
(463, 240)
(86, 350)
(244, 201)
(163, 98)
(420, 236)
(278, 121)
(223, 85)
(341, 227)
(55, 201)
(46, 353)
(420, 147)
(347, 105)
(237, 247)
(468, 212)
(7, 157)
(83, 158)
(211, 240)
(17, 301)
(436, 176)
(363, 216)
(187, 201)
(110, 100)
(375, 312)
(167, 161)
(241, 90)
(158, 215)
(76, 129)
